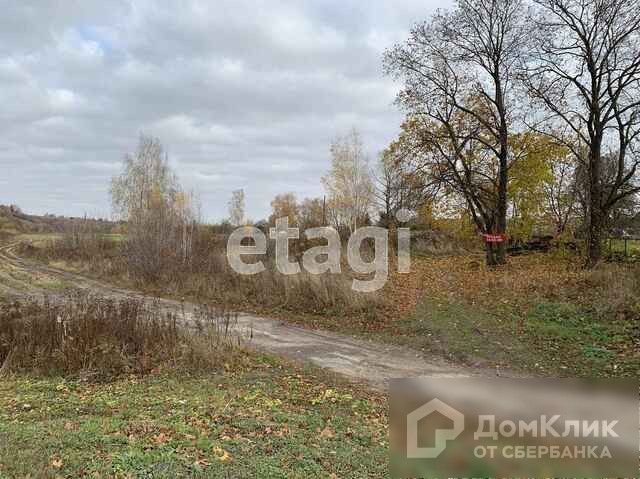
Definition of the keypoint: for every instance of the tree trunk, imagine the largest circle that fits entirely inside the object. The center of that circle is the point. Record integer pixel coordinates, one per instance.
(596, 214)
(503, 172)
(501, 248)
(491, 251)
(594, 240)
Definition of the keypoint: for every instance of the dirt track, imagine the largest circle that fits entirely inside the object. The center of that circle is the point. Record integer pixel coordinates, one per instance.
(362, 361)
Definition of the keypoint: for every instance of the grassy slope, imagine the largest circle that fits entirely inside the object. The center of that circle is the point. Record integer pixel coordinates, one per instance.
(550, 338)
(270, 421)
(540, 314)
(14, 223)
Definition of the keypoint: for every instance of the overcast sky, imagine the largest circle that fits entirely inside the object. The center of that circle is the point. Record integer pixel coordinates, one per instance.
(243, 94)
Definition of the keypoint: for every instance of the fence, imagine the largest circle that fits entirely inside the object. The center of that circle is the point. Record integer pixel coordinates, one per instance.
(624, 246)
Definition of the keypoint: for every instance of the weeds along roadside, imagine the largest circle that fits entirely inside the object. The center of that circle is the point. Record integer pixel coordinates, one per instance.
(204, 274)
(93, 336)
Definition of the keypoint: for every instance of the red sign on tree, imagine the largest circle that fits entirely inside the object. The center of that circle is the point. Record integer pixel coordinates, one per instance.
(494, 238)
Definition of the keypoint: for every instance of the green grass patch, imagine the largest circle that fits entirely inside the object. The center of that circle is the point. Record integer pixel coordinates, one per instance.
(618, 246)
(39, 237)
(116, 238)
(10, 279)
(268, 422)
(51, 283)
(550, 338)
(23, 281)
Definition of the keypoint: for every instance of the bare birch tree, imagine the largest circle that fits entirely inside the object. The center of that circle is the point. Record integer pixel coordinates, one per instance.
(348, 184)
(161, 218)
(237, 208)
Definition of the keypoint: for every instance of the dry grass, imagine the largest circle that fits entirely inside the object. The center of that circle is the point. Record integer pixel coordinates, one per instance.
(207, 277)
(301, 293)
(99, 253)
(102, 337)
(525, 279)
(541, 313)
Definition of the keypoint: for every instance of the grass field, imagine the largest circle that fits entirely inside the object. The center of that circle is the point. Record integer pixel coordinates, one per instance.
(548, 339)
(200, 405)
(268, 421)
(265, 418)
(541, 314)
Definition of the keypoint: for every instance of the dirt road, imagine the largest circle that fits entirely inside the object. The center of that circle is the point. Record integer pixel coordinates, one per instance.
(359, 360)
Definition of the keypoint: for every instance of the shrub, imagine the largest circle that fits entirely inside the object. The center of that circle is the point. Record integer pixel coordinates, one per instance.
(102, 337)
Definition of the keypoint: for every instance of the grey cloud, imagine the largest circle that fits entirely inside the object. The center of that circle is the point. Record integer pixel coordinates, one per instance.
(244, 94)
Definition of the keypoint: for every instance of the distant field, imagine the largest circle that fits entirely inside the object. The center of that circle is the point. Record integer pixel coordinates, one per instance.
(7, 228)
(35, 237)
(40, 237)
(14, 223)
(115, 237)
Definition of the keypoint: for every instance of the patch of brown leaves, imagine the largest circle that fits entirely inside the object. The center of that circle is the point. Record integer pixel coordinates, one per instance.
(524, 279)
